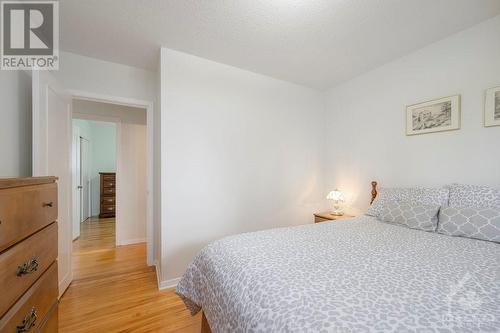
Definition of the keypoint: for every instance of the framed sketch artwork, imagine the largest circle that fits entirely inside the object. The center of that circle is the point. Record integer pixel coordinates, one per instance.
(433, 116)
(492, 107)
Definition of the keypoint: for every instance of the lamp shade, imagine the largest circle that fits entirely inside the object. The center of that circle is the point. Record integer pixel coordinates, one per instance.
(335, 195)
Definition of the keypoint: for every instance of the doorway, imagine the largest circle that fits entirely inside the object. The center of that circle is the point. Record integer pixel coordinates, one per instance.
(52, 155)
(95, 165)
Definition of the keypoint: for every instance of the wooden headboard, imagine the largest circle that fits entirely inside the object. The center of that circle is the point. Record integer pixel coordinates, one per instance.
(374, 191)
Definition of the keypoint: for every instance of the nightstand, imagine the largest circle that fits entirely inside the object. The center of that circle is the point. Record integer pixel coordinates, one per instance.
(327, 216)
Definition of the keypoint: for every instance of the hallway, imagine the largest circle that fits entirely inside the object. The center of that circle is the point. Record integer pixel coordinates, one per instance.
(113, 290)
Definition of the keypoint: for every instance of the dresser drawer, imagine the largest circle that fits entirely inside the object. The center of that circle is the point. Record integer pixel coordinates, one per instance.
(109, 183)
(50, 325)
(22, 264)
(24, 210)
(108, 201)
(107, 191)
(32, 308)
(107, 209)
(110, 178)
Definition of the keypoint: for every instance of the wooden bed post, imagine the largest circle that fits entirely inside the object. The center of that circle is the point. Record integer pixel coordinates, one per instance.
(374, 191)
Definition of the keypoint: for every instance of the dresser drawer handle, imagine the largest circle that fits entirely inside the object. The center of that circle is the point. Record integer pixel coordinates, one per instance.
(28, 321)
(48, 204)
(29, 266)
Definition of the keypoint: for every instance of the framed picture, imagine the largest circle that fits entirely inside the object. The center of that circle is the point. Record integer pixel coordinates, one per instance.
(492, 107)
(433, 116)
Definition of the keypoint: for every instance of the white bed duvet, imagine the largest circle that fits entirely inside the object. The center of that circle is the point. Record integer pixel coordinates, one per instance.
(351, 275)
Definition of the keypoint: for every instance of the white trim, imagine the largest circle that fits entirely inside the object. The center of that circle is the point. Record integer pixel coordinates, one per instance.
(118, 181)
(75, 232)
(64, 283)
(131, 241)
(168, 283)
(95, 117)
(69, 213)
(148, 105)
(42, 81)
(158, 273)
(35, 132)
(124, 101)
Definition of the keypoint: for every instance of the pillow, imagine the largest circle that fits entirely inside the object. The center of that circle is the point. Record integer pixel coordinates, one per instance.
(479, 223)
(474, 196)
(426, 196)
(413, 215)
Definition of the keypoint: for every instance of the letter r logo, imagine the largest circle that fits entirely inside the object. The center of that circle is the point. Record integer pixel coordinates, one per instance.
(27, 28)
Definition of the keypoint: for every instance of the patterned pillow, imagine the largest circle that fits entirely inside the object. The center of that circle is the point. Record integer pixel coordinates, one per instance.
(413, 215)
(426, 196)
(479, 223)
(474, 196)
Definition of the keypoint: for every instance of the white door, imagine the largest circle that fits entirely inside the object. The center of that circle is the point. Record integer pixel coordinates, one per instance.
(52, 140)
(84, 178)
(76, 182)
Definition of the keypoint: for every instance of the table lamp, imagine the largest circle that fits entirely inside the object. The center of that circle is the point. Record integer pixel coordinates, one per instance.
(338, 198)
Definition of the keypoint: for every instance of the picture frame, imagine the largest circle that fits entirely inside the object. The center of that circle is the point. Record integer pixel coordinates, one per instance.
(438, 115)
(492, 107)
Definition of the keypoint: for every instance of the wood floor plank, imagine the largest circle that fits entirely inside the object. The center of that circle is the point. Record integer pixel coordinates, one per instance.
(115, 291)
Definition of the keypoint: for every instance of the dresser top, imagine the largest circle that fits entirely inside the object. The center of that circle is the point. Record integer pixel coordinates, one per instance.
(28, 181)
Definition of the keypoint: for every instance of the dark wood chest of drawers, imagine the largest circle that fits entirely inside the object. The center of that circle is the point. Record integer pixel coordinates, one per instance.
(108, 194)
(28, 255)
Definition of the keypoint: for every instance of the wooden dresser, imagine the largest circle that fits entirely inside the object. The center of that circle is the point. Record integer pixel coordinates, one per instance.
(28, 253)
(108, 194)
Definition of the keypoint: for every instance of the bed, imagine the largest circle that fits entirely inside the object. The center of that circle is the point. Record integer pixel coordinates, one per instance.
(352, 275)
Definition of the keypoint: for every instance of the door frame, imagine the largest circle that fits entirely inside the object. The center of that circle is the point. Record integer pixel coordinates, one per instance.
(137, 103)
(75, 181)
(89, 183)
(42, 82)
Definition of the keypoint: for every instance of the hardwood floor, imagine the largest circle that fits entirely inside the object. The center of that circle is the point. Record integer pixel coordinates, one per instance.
(113, 289)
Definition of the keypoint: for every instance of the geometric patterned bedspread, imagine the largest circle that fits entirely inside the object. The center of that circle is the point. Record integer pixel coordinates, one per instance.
(351, 275)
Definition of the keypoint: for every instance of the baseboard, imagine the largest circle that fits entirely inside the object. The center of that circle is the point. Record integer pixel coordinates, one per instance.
(158, 273)
(162, 285)
(132, 241)
(168, 283)
(64, 284)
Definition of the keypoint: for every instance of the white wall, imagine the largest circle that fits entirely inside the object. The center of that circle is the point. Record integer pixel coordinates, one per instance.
(131, 184)
(78, 72)
(128, 159)
(157, 175)
(240, 152)
(366, 119)
(15, 124)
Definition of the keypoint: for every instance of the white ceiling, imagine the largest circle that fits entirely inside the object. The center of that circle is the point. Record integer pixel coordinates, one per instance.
(317, 43)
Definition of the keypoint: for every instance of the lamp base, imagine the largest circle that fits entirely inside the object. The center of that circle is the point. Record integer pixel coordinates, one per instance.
(337, 212)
